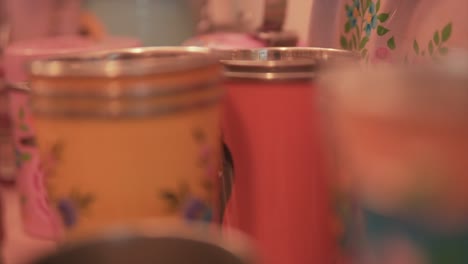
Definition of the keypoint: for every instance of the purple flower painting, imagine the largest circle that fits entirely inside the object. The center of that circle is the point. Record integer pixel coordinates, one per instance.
(196, 209)
(68, 212)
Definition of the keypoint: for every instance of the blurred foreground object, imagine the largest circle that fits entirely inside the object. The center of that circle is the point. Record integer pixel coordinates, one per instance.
(129, 134)
(155, 22)
(391, 30)
(398, 145)
(166, 245)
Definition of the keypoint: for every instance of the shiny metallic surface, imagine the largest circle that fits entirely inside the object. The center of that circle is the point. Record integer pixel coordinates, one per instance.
(118, 98)
(279, 63)
(130, 91)
(120, 109)
(125, 62)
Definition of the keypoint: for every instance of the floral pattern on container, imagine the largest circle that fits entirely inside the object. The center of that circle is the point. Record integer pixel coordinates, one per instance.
(39, 219)
(436, 47)
(25, 138)
(183, 199)
(196, 209)
(364, 19)
(49, 161)
(72, 205)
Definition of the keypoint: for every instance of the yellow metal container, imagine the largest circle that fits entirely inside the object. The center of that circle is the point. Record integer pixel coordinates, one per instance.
(129, 135)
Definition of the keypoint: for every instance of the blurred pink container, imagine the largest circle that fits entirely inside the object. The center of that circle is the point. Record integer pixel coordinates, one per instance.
(40, 18)
(37, 218)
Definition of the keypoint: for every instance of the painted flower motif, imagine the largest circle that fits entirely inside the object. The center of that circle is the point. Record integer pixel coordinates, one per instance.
(196, 209)
(357, 4)
(352, 12)
(351, 18)
(382, 56)
(371, 19)
(382, 53)
(68, 212)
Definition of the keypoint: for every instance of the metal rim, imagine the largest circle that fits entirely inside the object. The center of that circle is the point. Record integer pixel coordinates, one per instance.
(130, 91)
(124, 62)
(115, 109)
(279, 63)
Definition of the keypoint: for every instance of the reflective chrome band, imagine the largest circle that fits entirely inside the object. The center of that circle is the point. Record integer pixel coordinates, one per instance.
(115, 109)
(125, 62)
(129, 91)
(279, 63)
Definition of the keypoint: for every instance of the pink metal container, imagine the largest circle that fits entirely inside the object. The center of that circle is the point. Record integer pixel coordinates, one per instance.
(271, 128)
(37, 218)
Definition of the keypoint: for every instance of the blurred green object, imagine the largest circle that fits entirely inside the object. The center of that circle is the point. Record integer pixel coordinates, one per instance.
(154, 22)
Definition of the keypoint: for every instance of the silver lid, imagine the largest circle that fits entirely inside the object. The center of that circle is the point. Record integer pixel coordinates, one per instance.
(124, 62)
(279, 63)
(135, 98)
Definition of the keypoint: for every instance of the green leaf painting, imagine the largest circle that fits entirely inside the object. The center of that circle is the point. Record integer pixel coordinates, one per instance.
(446, 32)
(436, 38)
(416, 47)
(363, 20)
(391, 43)
(383, 17)
(343, 42)
(347, 27)
(366, 22)
(382, 30)
(363, 43)
(436, 46)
